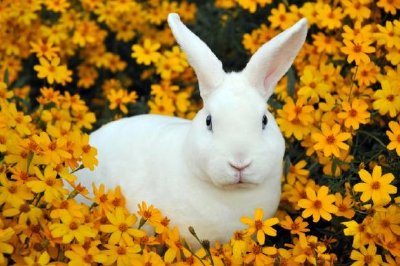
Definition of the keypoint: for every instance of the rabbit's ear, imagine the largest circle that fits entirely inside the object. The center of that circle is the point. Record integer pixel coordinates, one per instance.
(272, 60)
(208, 68)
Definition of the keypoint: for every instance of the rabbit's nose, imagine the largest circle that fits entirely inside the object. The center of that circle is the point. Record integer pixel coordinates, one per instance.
(239, 166)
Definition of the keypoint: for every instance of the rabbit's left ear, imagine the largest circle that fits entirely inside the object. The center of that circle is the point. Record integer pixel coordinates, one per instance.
(207, 66)
(272, 60)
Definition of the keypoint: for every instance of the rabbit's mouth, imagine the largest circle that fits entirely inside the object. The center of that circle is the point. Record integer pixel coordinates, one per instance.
(240, 185)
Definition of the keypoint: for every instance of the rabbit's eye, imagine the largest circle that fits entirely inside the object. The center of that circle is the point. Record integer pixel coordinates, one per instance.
(264, 122)
(209, 123)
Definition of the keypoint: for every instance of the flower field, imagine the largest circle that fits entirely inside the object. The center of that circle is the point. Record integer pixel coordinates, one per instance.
(69, 66)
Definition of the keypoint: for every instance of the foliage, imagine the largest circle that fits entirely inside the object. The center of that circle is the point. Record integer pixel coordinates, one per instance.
(68, 67)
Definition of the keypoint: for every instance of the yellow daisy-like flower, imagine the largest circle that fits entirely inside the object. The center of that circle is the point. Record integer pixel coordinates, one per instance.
(260, 227)
(357, 51)
(5, 248)
(297, 226)
(354, 114)
(147, 53)
(120, 227)
(366, 256)
(394, 137)
(53, 71)
(71, 228)
(330, 140)
(318, 204)
(376, 186)
(48, 183)
(387, 99)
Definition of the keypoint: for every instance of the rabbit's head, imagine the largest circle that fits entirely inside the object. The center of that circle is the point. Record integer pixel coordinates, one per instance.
(234, 141)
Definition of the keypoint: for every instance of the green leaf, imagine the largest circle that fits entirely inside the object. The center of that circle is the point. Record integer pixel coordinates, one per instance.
(291, 81)
(6, 78)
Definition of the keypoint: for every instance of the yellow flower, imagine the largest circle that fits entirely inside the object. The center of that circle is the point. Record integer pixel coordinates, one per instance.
(53, 71)
(12, 192)
(394, 137)
(260, 227)
(388, 35)
(357, 9)
(295, 118)
(162, 105)
(387, 99)
(239, 244)
(37, 259)
(386, 222)
(120, 98)
(84, 256)
(122, 254)
(345, 206)
(258, 255)
(357, 51)
(297, 172)
(376, 186)
(281, 18)
(330, 140)
(5, 248)
(57, 6)
(174, 245)
(354, 114)
(360, 232)
(298, 226)
(121, 227)
(389, 6)
(149, 214)
(71, 228)
(318, 204)
(146, 53)
(330, 18)
(366, 256)
(149, 259)
(45, 49)
(52, 150)
(48, 183)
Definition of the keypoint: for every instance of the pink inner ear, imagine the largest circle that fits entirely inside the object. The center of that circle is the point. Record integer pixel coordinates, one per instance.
(268, 77)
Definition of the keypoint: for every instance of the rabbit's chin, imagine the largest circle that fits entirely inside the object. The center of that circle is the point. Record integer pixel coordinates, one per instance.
(237, 181)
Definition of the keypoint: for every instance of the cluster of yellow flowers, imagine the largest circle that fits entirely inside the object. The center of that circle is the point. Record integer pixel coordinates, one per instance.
(64, 63)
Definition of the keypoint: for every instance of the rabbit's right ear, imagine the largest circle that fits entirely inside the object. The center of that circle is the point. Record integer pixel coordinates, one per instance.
(272, 60)
(208, 68)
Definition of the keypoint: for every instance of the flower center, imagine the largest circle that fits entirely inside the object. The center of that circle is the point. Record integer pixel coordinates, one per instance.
(368, 259)
(376, 185)
(390, 97)
(342, 208)
(256, 249)
(24, 208)
(330, 139)
(86, 148)
(353, 113)
(73, 226)
(317, 204)
(12, 189)
(123, 227)
(258, 224)
(357, 48)
(88, 258)
(295, 226)
(50, 182)
(385, 223)
(121, 251)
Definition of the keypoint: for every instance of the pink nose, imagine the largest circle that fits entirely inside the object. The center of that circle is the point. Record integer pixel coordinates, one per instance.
(239, 167)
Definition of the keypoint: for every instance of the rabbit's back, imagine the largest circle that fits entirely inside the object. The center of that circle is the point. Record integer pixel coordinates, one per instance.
(134, 153)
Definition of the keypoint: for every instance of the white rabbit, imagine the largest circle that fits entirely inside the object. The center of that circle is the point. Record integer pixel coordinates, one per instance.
(222, 165)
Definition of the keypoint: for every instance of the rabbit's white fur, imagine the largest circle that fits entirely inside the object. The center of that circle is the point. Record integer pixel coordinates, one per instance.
(187, 169)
